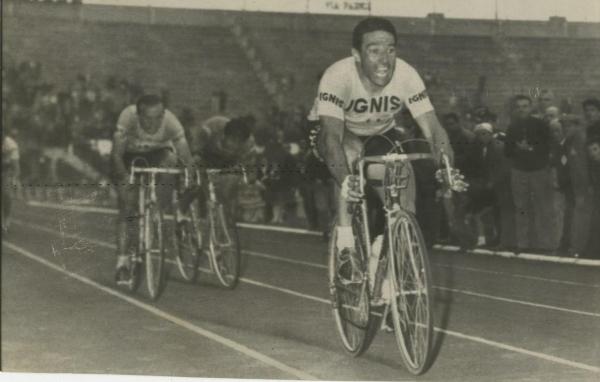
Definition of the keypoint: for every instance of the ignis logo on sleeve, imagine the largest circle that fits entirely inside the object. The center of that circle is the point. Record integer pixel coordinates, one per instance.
(331, 98)
(418, 97)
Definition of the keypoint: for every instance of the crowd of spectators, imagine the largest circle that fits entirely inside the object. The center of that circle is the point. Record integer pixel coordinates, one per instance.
(534, 184)
(42, 116)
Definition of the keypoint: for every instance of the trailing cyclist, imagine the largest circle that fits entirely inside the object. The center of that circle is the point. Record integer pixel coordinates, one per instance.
(226, 146)
(149, 131)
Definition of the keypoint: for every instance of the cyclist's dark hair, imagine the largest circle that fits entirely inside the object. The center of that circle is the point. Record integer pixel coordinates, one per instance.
(148, 100)
(237, 129)
(594, 102)
(371, 24)
(452, 116)
(521, 97)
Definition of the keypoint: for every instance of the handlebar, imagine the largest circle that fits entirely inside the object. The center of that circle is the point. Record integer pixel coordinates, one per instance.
(395, 157)
(159, 170)
(216, 171)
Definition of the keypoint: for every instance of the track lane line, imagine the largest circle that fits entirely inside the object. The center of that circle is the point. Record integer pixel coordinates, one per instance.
(452, 333)
(320, 266)
(521, 302)
(448, 248)
(240, 348)
(468, 269)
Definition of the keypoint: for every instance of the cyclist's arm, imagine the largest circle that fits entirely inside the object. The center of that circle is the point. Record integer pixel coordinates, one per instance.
(183, 150)
(119, 145)
(435, 133)
(185, 156)
(331, 149)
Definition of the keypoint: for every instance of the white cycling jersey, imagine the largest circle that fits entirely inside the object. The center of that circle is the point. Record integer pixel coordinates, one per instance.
(10, 151)
(342, 95)
(139, 141)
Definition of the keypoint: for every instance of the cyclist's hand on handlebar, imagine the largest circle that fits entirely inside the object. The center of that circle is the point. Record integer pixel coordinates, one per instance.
(351, 189)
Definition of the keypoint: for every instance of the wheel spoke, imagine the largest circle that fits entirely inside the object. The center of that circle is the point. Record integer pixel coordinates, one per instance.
(411, 303)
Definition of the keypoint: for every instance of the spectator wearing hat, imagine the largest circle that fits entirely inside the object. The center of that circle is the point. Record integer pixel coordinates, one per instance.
(591, 111)
(489, 191)
(528, 147)
(570, 165)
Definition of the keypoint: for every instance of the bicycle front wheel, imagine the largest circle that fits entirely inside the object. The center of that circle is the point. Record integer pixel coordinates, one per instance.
(188, 239)
(411, 298)
(154, 250)
(223, 247)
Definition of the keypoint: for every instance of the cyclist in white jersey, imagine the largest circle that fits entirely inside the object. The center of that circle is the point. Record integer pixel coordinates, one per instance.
(10, 177)
(358, 98)
(149, 131)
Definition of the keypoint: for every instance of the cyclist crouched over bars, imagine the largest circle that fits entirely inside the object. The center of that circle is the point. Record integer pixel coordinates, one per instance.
(152, 136)
(226, 146)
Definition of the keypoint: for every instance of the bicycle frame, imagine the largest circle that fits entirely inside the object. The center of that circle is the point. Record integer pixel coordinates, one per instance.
(391, 207)
(143, 202)
(212, 199)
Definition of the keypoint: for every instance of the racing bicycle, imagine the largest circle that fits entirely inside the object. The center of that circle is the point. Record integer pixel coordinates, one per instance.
(399, 290)
(216, 236)
(150, 251)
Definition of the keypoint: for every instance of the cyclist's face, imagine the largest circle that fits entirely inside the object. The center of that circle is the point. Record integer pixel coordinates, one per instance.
(151, 118)
(377, 57)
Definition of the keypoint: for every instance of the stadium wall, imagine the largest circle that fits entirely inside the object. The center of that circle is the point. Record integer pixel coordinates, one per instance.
(433, 24)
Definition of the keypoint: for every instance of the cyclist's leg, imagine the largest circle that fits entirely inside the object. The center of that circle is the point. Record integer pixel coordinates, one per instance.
(6, 199)
(164, 158)
(194, 192)
(126, 218)
(345, 238)
(227, 188)
(375, 174)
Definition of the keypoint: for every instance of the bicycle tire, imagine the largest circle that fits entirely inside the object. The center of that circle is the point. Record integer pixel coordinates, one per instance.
(351, 306)
(223, 247)
(188, 243)
(411, 298)
(154, 251)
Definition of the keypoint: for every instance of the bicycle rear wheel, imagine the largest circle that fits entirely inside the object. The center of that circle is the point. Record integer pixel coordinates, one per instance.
(188, 239)
(154, 250)
(223, 246)
(411, 301)
(351, 302)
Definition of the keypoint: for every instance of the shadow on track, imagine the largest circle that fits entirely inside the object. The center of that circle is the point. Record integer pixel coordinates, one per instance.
(443, 307)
